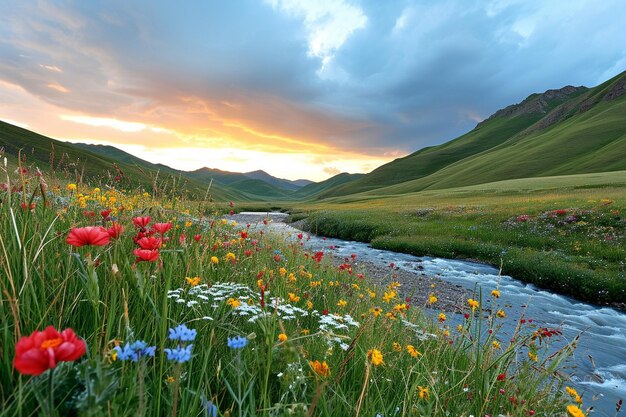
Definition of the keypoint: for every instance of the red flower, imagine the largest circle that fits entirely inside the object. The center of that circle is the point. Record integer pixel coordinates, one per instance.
(150, 243)
(90, 235)
(197, 238)
(162, 228)
(40, 351)
(105, 213)
(141, 222)
(115, 230)
(146, 255)
(501, 377)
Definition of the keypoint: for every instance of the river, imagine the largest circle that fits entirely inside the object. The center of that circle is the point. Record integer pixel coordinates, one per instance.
(599, 362)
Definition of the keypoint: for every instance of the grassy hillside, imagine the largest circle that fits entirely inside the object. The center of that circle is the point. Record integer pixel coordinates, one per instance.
(315, 189)
(587, 134)
(488, 134)
(108, 166)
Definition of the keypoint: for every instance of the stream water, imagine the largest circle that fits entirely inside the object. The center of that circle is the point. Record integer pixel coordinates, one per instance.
(599, 363)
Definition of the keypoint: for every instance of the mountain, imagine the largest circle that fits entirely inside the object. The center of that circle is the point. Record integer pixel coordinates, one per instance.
(572, 130)
(276, 182)
(103, 166)
(314, 190)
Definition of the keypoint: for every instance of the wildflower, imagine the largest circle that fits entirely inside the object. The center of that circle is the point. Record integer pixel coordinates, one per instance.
(473, 303)
(182, 333)
(371, 293)
(90, 235)
(495, 294)
(179, 354)
(375, 356)
(193, 281)
(293, 298)
(305, 331)
(141, 222)
(390, 316)
(388, 296)
(71, 187)
(146, 255)
(412, 351)
(397, 347)
(574, 394)
(170, 379)
(40, 351)
(574, 411)
(233, 302)
(115, 230)
(162, 228)
(134, 351)
(400, 307)
(342, 303)
(501, 377)
(500, 314)
(496, 345)
(150, 243)
(282, 337)
(237, 342)
(230, 257)
(422, 392)
(432, 299)
(309, 304)
(533, 356)
(215, 260)
(441, 317)
(320, 369)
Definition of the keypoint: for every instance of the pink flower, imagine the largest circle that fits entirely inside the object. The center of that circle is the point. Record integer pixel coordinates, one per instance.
(90, 235)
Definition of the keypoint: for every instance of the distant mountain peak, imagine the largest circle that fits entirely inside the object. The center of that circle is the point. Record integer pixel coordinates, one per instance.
(538, 103)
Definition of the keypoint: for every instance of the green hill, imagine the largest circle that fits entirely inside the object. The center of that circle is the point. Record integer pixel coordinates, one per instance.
(317, 188)
(78, 163)
(583, 135)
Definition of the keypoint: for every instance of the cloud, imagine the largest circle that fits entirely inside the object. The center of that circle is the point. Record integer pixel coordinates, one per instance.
(329, 78)
(332, 171)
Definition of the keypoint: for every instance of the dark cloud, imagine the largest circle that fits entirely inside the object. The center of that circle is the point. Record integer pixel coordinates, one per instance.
(416, 74)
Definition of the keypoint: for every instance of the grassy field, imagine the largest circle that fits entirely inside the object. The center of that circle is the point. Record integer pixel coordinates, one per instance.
(171, 310)
(564, 233)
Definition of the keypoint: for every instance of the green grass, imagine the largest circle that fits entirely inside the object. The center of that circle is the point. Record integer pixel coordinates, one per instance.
(109, 299)
(581, 258)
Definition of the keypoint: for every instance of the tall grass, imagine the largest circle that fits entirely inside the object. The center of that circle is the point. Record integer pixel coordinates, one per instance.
(295, 310)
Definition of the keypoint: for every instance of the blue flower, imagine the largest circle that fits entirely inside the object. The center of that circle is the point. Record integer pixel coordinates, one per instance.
(183, 333)
(237, 342)
(134, 351)
(180, 354)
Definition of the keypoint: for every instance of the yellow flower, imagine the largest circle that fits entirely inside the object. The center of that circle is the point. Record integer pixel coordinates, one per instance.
(574, 411)
(459, 328)
(342, 303)
(188, 223)
(170, 379)
(495, 294)
(193, 281)
(305, 331)
(309, 305)
(230, 257)
(293, 298)
(356, 286)
(496, 344)
(376, 311)
(215, 260)
(320, 369)
(533, 356)
(390, 316)
(446, 333)
(423, 392)
(473, 303)
(389, 296)
(397, 347)
(432, 299)
(441, 317)
(574, 394)
(412, 351)
(375, 356)
(282, 337)
(234, 303)
(292, 277)
(96, 190)
(371, 293)
(501, 314)
(282, 271)
(71, 187)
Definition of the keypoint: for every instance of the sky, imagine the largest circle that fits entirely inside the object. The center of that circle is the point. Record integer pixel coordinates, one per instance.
(298, 88)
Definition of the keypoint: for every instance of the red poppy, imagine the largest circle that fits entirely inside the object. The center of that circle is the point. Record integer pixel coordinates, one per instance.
(115, 230)
(150, 243)
(146, 255)
(141, 222)
(105, 213)
(197, 238)
(501, 377)
(90, 235)
(162, 228)
(40, 351)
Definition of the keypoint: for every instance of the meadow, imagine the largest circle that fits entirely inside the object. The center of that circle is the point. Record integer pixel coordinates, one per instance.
(564, 233)
(115, 302)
